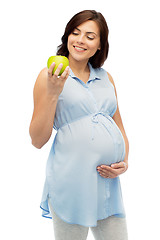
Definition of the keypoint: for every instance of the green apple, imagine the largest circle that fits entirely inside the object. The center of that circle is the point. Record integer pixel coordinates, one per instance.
(58, 59)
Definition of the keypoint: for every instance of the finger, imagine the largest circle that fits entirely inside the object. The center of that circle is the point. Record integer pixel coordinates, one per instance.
(105, 167)
(108, 170)
(56, 73)
(50, 70)
(117, 171)
(65, 74)
(105, 172)
(107, 175)
(118, 165)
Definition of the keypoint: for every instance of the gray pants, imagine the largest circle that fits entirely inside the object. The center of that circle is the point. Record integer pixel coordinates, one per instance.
(111, 228)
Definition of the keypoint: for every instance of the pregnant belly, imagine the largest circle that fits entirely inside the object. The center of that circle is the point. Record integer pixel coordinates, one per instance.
(90, 142)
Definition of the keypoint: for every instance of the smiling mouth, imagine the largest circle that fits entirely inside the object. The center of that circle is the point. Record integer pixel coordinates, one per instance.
(80, 49)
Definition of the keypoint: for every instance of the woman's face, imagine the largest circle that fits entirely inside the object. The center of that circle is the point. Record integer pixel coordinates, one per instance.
(84, 41)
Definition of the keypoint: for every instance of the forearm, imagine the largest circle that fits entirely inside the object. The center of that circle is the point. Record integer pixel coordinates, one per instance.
(126, 147)
(42, 121)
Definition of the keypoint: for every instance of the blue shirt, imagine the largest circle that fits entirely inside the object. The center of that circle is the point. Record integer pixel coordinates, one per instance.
(86, 137)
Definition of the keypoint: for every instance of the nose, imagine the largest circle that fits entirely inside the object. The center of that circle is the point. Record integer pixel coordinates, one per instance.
(80, 39)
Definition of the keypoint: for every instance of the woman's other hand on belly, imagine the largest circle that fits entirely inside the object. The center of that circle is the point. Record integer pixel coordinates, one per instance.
(112, 171)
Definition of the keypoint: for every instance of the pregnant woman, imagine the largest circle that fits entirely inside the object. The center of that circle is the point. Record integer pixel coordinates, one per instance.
(90, 148)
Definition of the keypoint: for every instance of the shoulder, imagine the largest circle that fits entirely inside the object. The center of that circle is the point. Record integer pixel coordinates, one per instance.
(40, 84)
(42, 77)
(43, 74)
(111, 79)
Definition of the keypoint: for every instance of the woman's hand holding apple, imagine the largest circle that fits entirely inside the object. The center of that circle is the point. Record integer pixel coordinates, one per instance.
(55, 83)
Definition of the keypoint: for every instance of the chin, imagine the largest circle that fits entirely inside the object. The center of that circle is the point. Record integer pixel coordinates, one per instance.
(79, 57)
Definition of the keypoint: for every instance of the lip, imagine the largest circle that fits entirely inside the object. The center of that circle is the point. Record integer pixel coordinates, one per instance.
(79, 49)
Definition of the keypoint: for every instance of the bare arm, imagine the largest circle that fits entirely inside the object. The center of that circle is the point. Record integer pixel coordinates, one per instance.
(118, 120)
(44, 110)
(117, 168)
(46, 91)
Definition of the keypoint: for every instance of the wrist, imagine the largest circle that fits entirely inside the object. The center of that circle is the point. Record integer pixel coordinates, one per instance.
(52, 98)
(126, 165)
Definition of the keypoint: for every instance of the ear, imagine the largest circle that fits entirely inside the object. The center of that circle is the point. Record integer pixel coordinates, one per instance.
(99, 48)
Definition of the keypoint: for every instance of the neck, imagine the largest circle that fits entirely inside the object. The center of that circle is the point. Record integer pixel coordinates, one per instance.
(78, 67)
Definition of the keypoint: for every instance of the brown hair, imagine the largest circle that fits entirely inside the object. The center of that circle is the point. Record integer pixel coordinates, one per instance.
(101, 55)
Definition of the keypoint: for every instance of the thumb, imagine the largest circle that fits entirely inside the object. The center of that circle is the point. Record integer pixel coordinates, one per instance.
(115, 165)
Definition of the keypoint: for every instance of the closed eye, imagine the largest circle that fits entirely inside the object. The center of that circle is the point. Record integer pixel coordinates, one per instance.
(75, 33)
(90, 38)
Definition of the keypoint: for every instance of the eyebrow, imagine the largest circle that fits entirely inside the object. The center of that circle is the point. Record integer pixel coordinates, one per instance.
(86, 32)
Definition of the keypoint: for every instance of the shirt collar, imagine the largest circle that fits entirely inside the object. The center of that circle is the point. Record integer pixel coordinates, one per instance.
(93, 74)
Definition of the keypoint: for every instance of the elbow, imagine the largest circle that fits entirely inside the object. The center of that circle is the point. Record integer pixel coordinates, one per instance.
(37, 144)
(35, 141)
(127, 145)
(38, 140)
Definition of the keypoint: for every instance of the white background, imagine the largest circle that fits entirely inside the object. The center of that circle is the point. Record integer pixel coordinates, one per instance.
(30, 33)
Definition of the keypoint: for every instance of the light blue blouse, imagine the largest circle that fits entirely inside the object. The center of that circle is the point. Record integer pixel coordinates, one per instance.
(86, 137)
